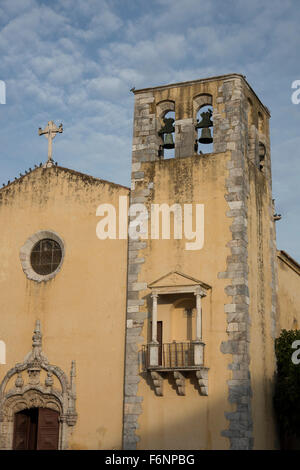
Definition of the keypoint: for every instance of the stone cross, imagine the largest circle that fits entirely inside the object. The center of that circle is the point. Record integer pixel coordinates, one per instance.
(50, 132)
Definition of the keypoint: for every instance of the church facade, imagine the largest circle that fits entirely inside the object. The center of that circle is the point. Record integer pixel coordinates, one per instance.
(163, 339)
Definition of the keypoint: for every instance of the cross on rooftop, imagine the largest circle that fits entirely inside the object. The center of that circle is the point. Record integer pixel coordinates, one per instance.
(50, 132)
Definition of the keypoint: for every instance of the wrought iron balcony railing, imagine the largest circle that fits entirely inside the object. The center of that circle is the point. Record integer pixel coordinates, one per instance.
(170, 356)
(180, 359)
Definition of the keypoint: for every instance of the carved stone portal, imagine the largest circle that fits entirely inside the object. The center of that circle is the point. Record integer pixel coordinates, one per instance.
(31, 393)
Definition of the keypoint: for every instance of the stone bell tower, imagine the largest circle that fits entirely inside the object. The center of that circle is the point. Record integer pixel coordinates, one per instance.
(221, 295)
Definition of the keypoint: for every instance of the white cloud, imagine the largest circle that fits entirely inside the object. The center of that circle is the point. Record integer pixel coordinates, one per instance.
(107, 86)
(75, 60)
(16, 7)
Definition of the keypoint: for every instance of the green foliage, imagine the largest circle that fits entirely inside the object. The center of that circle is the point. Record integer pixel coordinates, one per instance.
(287, 389)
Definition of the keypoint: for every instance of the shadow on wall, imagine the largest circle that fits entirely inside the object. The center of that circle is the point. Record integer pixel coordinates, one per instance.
(201, 437)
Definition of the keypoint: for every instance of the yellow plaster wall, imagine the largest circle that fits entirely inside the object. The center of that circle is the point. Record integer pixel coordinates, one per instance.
(262, 354)
(288, 293)
(191, 421)
(82, 310)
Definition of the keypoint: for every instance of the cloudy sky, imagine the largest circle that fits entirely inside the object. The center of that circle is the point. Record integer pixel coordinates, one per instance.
(74, 61)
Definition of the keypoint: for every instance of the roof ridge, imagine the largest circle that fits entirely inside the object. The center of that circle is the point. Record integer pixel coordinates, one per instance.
(31, 170)
(284, 256)
(36, 167)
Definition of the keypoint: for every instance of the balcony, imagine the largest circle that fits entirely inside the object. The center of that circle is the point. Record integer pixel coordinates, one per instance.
(178, 358)
(169, 356)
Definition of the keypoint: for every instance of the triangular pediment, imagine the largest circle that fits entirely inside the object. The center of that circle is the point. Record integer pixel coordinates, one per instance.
(177, 279)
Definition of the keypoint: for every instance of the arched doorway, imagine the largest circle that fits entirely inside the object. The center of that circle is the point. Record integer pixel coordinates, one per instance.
(44, 399)
(36, 429)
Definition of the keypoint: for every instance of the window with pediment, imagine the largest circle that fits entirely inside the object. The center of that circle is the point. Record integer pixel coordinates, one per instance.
(175, 339)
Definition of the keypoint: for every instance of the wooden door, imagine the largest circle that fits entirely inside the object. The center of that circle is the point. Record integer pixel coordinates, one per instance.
(25, 429)
(36, 429)
(21, 429)
(48, 429)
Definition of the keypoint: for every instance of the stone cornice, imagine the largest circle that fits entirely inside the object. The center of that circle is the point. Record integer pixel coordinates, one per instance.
(288, 260)
(204, 80)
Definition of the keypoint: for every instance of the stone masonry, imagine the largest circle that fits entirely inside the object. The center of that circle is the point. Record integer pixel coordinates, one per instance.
(234, 128)
(232, 132)
(145, 147)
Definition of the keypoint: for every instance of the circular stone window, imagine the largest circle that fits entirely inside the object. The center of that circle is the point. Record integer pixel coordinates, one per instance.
(42, 256)
(45, 256)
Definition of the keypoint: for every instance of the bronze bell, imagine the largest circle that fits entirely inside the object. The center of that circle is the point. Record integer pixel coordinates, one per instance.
(166, 133)
(206, 120)
(168, 141)
(205, 137)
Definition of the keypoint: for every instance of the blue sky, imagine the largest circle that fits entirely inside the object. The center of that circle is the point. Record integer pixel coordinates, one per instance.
(74, 61)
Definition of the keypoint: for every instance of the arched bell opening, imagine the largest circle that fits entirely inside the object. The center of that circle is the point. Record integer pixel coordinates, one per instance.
(167, 135)
(204, 129)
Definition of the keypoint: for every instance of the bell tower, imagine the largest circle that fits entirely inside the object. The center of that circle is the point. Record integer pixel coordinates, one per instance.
(222, 295)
